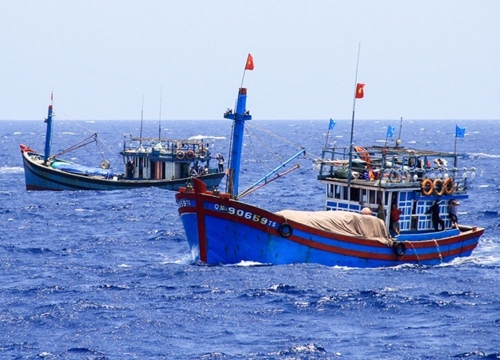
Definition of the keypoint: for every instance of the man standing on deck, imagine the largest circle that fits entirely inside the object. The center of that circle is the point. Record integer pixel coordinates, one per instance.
(436, 219)
(220, 160)
(395, 215)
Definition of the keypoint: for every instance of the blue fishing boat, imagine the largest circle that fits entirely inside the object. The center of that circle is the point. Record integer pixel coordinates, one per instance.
(361, 182)
(147, 162)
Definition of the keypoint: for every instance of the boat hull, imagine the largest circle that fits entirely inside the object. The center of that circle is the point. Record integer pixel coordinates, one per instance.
(41, 177)
(224, 231)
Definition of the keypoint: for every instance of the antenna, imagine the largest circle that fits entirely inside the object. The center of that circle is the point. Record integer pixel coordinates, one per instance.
(159, 120)
(142, 113)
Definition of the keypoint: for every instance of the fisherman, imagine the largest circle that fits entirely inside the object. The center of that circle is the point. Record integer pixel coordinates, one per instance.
(220, 160)
(130, 169)
(366, 211)
(436, 219)
(395, 215)
(453, 212)
(381, 213)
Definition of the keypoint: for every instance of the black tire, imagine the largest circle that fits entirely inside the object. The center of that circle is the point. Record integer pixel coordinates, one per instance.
(399, 248)
(285, 230)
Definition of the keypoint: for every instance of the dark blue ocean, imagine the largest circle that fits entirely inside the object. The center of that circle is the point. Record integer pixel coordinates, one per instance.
(108, 275)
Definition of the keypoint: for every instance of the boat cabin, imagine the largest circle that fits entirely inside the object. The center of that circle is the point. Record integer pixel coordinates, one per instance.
(411, 179)
(158, 159)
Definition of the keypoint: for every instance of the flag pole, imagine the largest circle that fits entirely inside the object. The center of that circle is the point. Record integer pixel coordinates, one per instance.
(331, 124)
(398, 141)
(243, 77)
(455, 157)
(327, 136)
(349, 174)
(248, 66)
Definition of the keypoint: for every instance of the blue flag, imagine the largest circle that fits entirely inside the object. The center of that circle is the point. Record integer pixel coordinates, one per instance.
(390, 131)
(332, 124)
(460, 132)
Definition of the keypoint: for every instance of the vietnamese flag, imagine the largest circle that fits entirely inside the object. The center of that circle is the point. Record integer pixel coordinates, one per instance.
(359, 91)
(249, 64)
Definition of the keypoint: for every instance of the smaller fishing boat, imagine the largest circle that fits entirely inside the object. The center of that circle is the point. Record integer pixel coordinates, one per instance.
(147, 162)
(416, 186)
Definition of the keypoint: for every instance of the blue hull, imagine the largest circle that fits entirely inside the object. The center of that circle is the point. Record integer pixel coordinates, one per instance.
(40, 177)
(224, 231)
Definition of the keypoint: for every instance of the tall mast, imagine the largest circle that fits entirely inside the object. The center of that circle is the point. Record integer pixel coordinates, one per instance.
(239, 116)
(159, 120)
(351, 145)
(48, 135)
(142, 113)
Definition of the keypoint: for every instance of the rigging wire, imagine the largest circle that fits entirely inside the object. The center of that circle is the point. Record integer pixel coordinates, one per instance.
(250, 130)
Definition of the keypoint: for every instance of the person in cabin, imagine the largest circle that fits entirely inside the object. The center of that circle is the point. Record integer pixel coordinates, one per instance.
(381, 213)
(220, 160)
(436, 219)
(130, 169)
(395, 215)
(453, 212)
(193, 172)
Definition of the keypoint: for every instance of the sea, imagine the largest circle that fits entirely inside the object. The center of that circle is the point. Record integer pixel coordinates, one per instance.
(109, 275)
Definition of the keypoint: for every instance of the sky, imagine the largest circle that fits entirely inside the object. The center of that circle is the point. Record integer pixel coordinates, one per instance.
(428, 59)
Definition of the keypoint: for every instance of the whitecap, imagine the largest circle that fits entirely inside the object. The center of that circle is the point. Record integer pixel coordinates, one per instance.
(202, 137)
(11, 170)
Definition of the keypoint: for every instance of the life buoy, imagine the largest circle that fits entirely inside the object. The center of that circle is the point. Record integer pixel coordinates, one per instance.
(427, 187)
(190, 155)
(180, 155)
(363, 154)
(448, 186)
(438, 187)
(285, 230)
(399, 248)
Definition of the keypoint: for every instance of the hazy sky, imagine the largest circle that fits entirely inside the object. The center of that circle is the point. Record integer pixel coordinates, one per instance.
(427, 59)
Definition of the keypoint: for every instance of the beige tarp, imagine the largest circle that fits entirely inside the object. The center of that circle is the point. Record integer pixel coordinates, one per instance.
(342, 223)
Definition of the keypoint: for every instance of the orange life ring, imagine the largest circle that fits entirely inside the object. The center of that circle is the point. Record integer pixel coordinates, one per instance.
(448, 186)
(190, 155)
(438, 187)
(363, 154)
(180, 155)
(427, 187)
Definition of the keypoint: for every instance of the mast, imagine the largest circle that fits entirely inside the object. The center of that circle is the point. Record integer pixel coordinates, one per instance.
(48, 135)
(239, 116)
(159, 120)
(356, 96)
(142, 113)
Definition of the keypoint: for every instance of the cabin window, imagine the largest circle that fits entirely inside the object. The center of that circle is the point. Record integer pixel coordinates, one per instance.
(373, 196)
(355, 194)
(330, 191)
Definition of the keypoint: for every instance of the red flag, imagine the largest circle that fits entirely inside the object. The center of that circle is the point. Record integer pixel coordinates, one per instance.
(249, 64)
(359, 91)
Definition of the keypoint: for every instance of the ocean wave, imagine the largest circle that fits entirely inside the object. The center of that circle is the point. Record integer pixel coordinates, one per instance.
(11, 170)
(482, 156)
(204, 137)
